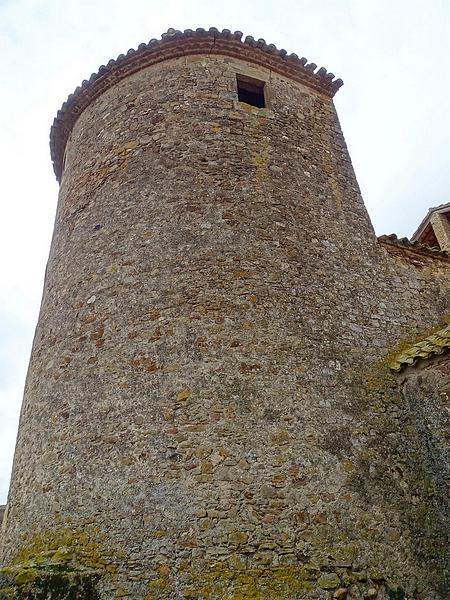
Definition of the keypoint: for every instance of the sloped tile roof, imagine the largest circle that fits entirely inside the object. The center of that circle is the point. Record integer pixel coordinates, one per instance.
(441, 208)
(436, 343)
(414, 245)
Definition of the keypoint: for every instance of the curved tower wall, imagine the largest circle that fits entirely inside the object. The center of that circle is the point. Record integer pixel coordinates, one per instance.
(193, 399)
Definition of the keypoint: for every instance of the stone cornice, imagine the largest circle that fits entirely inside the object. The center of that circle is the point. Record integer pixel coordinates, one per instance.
(175, 44)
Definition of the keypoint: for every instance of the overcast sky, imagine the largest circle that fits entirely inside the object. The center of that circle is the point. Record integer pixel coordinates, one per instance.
(393, 56)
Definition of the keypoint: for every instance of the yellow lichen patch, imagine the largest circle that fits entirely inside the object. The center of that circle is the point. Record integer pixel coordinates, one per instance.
(25, 576)
(122, 593)
(261, 162)
(280, 437)
(65, 545)
(348, 465)
(262, 112)
(382, 370)
(434, 344)
(259, 583)
(163, 570)
(158, 584)
(160, 533)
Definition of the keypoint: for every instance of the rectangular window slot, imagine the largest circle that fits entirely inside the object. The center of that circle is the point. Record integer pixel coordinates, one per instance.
(251, 91)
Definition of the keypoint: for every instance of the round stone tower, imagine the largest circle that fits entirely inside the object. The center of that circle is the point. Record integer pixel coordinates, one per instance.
(197, 413)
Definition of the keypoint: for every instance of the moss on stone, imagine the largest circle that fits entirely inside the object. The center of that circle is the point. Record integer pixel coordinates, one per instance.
(62, 563)
(381, 372)
(397, 594)
(253, 583)
(50, 584)
(63, 546)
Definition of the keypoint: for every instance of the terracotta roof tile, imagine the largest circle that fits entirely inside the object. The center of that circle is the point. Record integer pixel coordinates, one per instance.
(174, 44)
(440, 208)
(436, 343)
(393, 240)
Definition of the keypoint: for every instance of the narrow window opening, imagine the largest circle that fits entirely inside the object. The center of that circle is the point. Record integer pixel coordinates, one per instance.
(251, 91)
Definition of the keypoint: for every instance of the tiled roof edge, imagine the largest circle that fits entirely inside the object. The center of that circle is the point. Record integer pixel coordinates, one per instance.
(405, 243)
(433, 345)
(427, 217)
(173, 44)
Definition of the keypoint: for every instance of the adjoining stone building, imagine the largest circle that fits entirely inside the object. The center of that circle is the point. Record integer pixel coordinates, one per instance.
(434, 231)
(236, 391)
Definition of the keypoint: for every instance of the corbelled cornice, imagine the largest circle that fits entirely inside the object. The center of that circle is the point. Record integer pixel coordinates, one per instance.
(175, 44)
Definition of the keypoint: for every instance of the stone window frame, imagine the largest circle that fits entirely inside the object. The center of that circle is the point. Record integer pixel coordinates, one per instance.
(250, 73)
(258, 84)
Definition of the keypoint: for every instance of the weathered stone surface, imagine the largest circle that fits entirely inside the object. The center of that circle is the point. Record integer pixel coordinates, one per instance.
(209, 411)
(328, 581)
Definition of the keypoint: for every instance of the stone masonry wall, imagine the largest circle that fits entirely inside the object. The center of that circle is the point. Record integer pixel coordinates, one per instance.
(208, 412)
(426, 387)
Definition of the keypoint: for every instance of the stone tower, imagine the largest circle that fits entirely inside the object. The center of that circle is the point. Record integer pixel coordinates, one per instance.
(207, 412)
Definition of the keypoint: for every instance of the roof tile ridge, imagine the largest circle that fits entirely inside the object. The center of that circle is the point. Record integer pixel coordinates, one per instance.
(435, 344)
(90, 88)
(413, 245)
